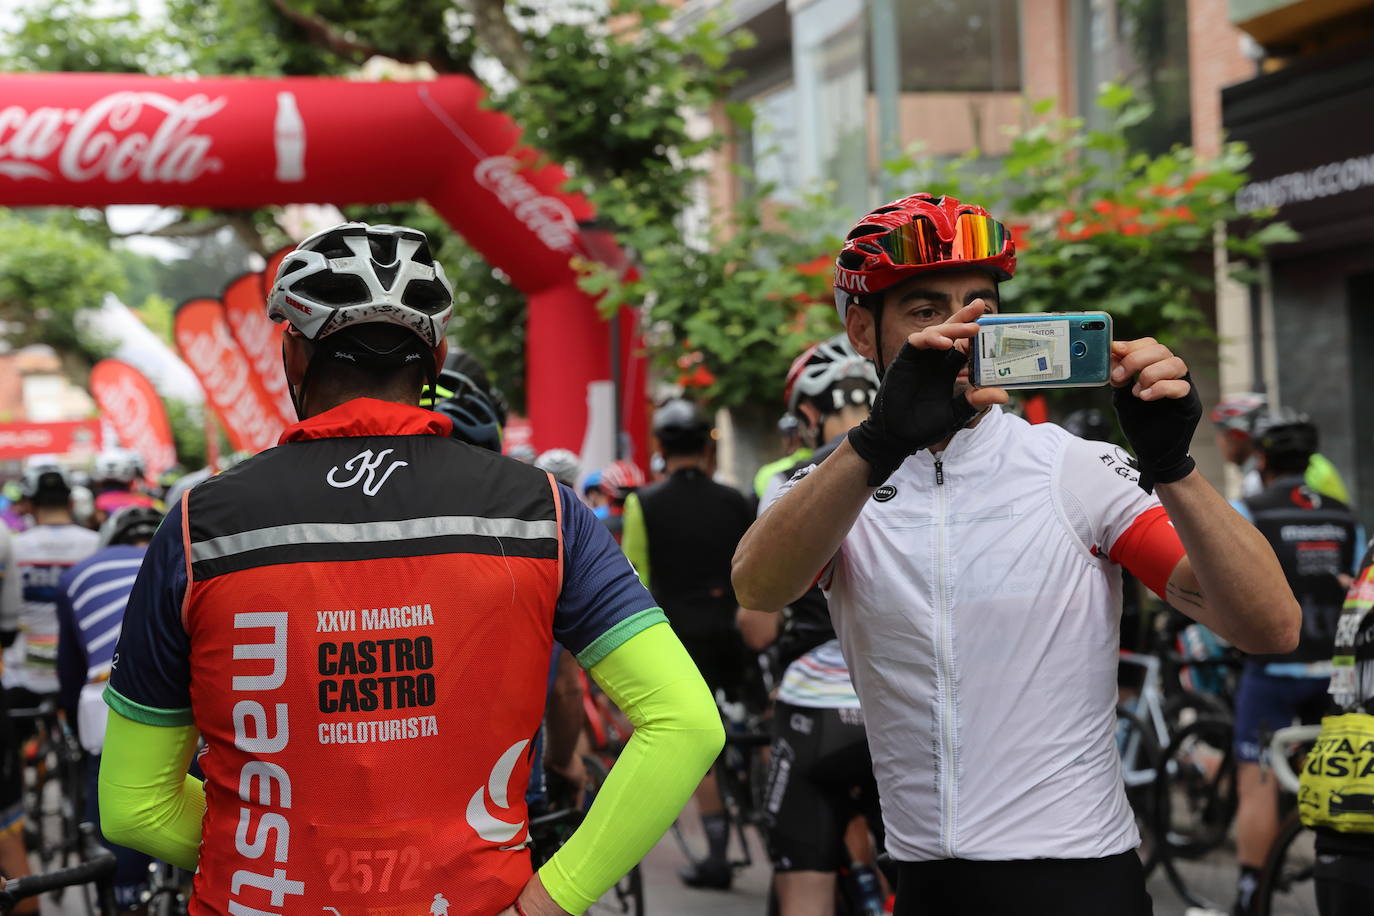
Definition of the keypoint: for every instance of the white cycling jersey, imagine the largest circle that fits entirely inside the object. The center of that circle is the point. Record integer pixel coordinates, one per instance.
(40, 556)
(978, 603)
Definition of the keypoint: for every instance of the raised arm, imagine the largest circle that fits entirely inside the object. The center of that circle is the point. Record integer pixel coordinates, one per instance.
(779, 557)
(915, 408)
(1230, 579)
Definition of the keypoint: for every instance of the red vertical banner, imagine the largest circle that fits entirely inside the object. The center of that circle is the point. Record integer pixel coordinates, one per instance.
(231, 387)
(132, 406)
(259, 337)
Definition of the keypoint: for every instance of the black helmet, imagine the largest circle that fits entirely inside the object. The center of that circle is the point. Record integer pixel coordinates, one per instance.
(1089, 423)
(476, 420)
(461, 372)
(130, 525)
(48, 478)
(1285, 432)
(681, 427)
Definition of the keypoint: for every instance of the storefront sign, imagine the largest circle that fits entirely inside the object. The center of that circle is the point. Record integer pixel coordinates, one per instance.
(1309, 131)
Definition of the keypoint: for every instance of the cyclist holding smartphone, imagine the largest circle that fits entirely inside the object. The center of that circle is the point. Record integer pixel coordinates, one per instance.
(972, 564)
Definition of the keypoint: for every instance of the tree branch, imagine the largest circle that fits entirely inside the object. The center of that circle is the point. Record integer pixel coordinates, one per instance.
(324, 34)
(181, 229)
(500, 36)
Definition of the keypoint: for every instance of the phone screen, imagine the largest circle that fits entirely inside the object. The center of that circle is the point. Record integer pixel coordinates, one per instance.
(1047, 350)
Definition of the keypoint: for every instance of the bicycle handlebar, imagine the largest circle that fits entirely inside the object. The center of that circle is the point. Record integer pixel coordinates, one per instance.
(1278, 752)
(99, 868)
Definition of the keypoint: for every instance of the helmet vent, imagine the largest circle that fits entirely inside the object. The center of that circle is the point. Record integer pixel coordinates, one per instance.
(428, 296)
(383, 248)
(332, 288)
(866, 228)
(386, 274)
(851, 260)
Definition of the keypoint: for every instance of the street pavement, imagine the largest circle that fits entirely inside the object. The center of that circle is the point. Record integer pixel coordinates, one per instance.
(665, 895)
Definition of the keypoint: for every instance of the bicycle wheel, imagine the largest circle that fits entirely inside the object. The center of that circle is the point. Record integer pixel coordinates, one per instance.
(1139, 766)
(1286, 886)
(1196, 788)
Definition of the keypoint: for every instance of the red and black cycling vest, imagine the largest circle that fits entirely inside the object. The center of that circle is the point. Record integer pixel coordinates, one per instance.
(370, 613)
(1314, 539)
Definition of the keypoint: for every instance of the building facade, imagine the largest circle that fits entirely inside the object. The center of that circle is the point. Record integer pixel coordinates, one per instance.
(841, 86)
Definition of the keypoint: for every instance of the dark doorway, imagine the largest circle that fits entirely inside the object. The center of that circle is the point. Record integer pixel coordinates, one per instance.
(1362, 392)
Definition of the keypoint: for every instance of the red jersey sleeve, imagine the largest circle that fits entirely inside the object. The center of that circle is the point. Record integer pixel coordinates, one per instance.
(1150, 549)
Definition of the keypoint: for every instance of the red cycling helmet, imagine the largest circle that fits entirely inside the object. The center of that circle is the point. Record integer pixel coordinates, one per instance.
(919, 234)
(621, 478)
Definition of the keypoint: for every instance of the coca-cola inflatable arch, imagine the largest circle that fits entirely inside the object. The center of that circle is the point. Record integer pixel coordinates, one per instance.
(99, 139)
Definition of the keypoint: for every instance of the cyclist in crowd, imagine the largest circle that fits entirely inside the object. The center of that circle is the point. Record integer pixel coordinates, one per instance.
(1335, 782)
(970, 560)
(562, 463)
(820, 774)
(793, 450)
(680, 534)
(1315, 538)
(114, 477)
(1235, 416)
(91, 599)
(594, 496)
(829, 388)
(39, 555)
(42, 554)
(363, 643)
(617, 481)
(13, 856)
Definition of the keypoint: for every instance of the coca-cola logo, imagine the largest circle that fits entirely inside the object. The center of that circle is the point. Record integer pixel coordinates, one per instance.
(127, 405)
(547, 217)
(100, 142)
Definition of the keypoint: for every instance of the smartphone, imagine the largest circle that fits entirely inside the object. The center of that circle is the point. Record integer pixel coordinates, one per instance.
(1043, 350)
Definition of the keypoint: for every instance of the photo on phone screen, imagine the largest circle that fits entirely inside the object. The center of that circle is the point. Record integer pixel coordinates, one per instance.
(1042, 350)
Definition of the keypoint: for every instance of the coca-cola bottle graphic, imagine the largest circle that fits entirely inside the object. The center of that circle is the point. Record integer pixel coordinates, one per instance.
(289, 133)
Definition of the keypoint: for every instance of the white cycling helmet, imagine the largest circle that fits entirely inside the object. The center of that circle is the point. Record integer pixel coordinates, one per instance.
(355, 274)
(564, 465)
(117, 464)
(821, 369)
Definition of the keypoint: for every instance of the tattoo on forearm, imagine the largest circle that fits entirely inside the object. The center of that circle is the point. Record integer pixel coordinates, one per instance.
(1178, 597)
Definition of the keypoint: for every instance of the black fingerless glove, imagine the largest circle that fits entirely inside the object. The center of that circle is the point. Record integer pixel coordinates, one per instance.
(1160, 433)
(913, 410)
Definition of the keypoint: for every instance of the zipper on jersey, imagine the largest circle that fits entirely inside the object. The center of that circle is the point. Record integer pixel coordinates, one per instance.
(944, 654)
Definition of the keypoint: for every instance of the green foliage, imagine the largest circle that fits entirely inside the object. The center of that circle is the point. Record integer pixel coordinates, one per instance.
(1103, 226)
(188, 432)
(737, 302)
(48, 274)
(63, 36)
(613, 103)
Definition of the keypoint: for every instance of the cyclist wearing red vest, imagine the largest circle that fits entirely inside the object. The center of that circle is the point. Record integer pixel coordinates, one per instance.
(972, 567)
(359, 621)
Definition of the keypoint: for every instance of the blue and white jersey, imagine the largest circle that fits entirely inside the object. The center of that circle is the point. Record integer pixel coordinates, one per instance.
(91, 598)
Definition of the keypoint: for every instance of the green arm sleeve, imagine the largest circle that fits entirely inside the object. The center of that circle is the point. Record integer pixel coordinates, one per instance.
(1323, 477)
(148, 801)
(677, 737)
(634, 538)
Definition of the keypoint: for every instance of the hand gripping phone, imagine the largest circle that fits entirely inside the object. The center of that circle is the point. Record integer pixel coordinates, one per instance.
(1042, 350)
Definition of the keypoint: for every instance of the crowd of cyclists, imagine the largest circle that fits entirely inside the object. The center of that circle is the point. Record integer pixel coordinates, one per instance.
(348, 674)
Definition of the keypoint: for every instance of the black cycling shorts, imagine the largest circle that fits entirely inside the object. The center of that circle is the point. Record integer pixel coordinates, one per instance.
(820, 776)
(1025, 887)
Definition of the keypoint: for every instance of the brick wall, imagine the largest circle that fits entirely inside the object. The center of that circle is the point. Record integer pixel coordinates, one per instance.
(1047, 52)
(1215, 59)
